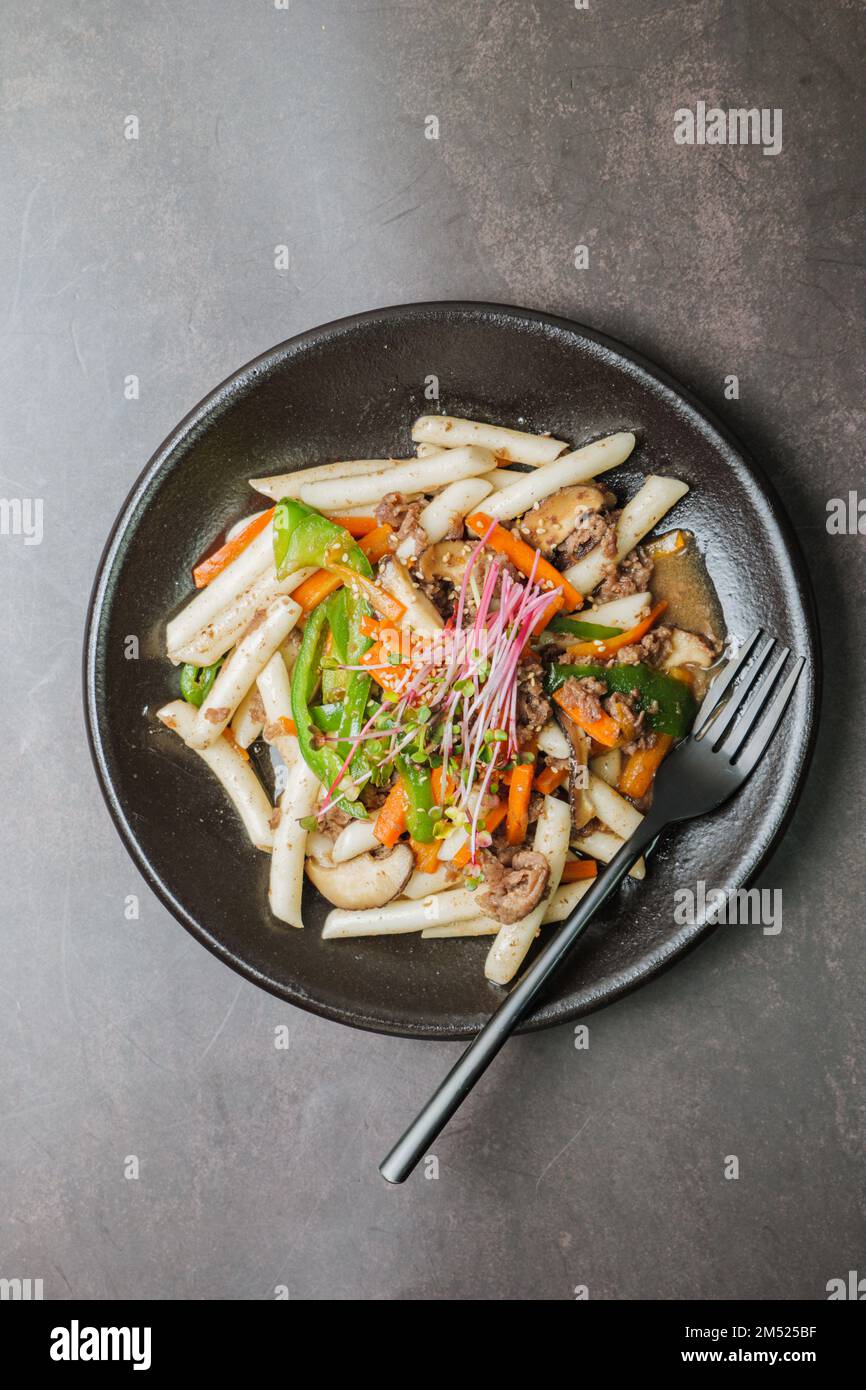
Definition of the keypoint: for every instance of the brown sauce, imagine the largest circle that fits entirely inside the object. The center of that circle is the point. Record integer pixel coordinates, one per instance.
(682, 579)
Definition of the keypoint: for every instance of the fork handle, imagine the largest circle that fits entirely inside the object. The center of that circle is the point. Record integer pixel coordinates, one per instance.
(498, 1028)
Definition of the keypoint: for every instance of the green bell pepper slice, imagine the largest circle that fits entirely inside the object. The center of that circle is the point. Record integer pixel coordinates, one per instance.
(327, 716)
(420, 813)
(587, 632)
(352, 722)
(323, 761)
(335, 681)
(670, 705)
(303, 538)
(196, 682)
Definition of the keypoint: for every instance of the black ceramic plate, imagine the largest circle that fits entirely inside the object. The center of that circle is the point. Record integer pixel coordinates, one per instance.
(352, 389)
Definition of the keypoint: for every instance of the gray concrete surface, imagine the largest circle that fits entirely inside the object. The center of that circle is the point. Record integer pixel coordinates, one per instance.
(154, 257)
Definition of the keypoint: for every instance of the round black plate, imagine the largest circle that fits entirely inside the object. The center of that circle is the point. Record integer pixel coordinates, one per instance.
(352, 389)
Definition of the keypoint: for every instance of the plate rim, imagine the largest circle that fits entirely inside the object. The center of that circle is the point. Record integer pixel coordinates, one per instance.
(657, 961)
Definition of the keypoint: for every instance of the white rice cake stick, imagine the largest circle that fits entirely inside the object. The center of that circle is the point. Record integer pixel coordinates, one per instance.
(452, 504)
(577, 467)
(231, 769)
(417, 475)
(517, 446)
(217, 636)
(290, 484)
(243, 668)
(603, 845)
(403, 915)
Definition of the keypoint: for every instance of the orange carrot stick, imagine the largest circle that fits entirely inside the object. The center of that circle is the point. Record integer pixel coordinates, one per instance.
(355, 525)
(557, 602)
(375, 545)
(390, 676)
(391, 820)
(611, 645)
(604, 730)
(426, 856)
(442, 787)
(315, 589)
(384, 603)
(519, 793)
(324, 582)
(577, 869)
(492, 821)
(523, 557)
(641, 767)
(216, 563)
(551, 778)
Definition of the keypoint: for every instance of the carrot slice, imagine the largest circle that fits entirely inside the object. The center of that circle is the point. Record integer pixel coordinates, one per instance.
(384, 603)
(523, 557)
(641, 767)
(519, 793)
(208, 570)
(551, 778)
(324, 582)
(546, 782)
(390, 676)
(315, 589)
(577, 869)
(375, 546)
(492, 821)
(391, 820)
(442, 788)
(356, 526)
(604, 730)
(426, 856)
(557, 602)
(611, 645)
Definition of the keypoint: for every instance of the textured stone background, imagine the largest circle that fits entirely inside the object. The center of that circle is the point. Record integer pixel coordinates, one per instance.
(304, 126)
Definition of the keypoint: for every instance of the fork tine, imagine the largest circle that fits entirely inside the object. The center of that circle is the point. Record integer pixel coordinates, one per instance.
(753, 708)
(760, 737)
(725, 721)
(716, 691)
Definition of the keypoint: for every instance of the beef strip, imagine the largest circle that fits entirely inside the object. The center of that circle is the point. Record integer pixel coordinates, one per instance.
(334, 821)
(511, 892)
(590, 530)
(402, 517)
(624, 709)
(533, 706)
(584, 695)
(630, 577)
(652, 649)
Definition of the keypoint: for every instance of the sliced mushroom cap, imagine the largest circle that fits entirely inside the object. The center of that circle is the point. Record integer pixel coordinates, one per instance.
(689, 649)
(445, 560)
(548, 524)
(420, 612)
(369, 881)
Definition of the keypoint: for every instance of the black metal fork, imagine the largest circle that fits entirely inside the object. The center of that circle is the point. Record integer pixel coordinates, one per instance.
(736, 721)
